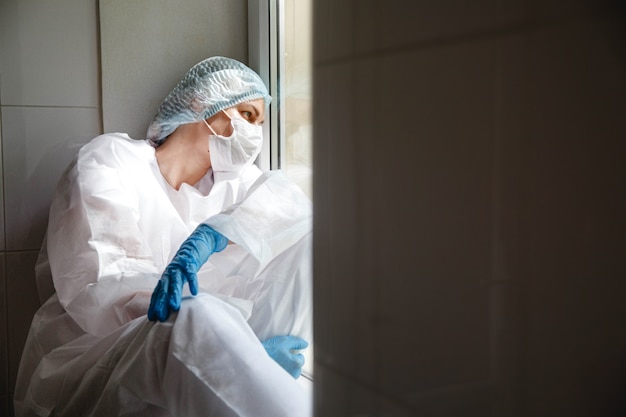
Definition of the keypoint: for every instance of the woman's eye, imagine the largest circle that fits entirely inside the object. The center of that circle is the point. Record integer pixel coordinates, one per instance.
(246, 114)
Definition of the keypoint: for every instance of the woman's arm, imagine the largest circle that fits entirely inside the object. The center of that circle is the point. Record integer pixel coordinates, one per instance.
(101, 264)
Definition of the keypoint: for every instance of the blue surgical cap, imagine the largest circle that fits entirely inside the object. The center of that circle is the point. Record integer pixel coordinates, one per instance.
(209, 87)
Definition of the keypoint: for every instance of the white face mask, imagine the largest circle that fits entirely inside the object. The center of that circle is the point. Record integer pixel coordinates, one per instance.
(238, 150)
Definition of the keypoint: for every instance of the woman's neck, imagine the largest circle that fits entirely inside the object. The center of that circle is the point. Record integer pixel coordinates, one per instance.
(184, 157)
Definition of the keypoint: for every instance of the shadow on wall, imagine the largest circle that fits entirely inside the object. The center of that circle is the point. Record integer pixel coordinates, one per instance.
(42, 183)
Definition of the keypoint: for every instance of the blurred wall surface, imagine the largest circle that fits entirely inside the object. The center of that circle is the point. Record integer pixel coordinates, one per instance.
(470, 201)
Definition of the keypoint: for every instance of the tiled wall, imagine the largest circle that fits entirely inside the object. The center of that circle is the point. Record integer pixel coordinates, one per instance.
(469, 171)
(147, 45)
(469, 197)
(51, 75)
(49, 103)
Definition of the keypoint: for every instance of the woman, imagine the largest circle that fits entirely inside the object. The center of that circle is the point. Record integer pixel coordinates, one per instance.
(129, 216)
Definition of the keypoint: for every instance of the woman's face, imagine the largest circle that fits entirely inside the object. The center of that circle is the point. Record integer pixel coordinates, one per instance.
(251, 111)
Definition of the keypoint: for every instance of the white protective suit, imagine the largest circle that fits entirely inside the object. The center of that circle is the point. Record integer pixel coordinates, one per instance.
(114, 226)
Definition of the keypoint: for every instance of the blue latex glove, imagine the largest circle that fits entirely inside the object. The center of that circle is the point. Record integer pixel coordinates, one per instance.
(281, 349)
(191, 255)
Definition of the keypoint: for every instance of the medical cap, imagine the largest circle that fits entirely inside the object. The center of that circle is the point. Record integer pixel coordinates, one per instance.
(209, 87)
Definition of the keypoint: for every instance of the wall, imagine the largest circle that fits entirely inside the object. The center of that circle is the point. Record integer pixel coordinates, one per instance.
(469, 197)
(50, 104)
(147, 45)
(469, 171)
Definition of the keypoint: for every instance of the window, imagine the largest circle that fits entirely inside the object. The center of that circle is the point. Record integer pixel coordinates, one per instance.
(282, 55)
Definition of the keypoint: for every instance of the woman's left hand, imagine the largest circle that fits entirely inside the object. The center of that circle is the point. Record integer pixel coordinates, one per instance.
(193, 253)
(282, 350)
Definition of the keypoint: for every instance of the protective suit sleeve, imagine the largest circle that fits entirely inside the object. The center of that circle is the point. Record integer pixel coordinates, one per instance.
(273, 225)
(101, 264)
(273, 216)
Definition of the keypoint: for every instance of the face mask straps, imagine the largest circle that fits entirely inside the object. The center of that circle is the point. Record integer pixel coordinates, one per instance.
(209, 126)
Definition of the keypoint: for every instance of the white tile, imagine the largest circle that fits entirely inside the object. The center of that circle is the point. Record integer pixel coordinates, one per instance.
(379, 25)
(321, 284)
(49, 55)
(574, 217)
(399, 23)
(1, 188)
(513, 12)
(339, 394)
(342, 222)
(4, 343)
(367, 28)
(561, 8)
(367, 139)
(38, 143)
(168, 38)
(437, 118)
(22, 303)
(335, 206)
(5, 406)
(458, 399)
(336, 36)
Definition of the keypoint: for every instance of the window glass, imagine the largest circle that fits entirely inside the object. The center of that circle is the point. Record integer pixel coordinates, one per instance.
(295, 83)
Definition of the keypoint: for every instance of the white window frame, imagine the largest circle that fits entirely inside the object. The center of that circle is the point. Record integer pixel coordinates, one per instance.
(264, 48)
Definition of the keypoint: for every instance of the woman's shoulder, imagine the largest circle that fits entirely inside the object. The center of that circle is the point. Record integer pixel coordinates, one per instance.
(114, 149)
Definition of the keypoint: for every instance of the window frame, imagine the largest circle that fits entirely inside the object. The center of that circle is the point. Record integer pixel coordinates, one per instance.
(264, 48)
